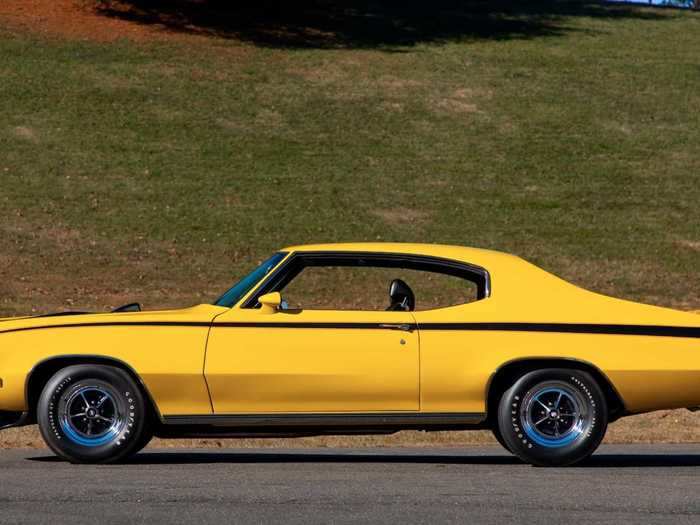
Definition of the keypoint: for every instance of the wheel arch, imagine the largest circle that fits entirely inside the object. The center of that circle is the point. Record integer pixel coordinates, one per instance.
(41, 372)
(509, 372)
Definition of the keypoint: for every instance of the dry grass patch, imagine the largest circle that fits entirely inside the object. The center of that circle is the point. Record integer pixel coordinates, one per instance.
(396, 84)
(667, 426)
(269, 119)
(26, 133)
(693, 245)
(395, 107)
(672, 426)
(462, 101)
(230, 124)
(457, 106)
(326, 74)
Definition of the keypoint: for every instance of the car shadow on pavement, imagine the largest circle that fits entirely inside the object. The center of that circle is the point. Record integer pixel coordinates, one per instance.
(190, 458)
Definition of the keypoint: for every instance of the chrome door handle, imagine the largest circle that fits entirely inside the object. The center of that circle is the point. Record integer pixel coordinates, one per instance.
(402, 327)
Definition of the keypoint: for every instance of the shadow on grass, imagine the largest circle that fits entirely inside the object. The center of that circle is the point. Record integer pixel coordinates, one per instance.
(197, 458)
(384, 24)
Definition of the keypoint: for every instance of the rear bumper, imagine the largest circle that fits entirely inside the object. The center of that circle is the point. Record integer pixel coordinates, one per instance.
(13, 419)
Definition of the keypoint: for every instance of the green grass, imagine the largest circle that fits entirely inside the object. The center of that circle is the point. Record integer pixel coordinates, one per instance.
(160, 171)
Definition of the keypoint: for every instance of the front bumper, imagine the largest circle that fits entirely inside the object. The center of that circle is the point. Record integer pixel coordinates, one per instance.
(13, 419)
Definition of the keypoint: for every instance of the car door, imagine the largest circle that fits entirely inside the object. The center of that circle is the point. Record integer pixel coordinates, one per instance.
(313, 361)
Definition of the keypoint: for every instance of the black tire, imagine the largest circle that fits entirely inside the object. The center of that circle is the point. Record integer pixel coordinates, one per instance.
(146, 437)
(499, 437)
(553, 417)
(113, 423)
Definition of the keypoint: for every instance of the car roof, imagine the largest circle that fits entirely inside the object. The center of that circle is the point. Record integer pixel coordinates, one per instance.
(476, 256)
(509, 275)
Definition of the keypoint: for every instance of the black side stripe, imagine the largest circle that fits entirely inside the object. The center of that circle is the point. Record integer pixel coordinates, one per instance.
(571, 328)
(111, 323)
(568, 328)
(340, 326)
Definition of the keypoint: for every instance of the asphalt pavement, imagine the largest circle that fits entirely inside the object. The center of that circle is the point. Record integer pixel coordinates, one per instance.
(620, 484)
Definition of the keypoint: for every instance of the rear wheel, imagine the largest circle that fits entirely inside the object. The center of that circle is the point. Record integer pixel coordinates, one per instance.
(553, 417)
(93, 414)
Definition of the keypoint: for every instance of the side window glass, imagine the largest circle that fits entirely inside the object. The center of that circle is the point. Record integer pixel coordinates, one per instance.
(367, 288)
(439, 290)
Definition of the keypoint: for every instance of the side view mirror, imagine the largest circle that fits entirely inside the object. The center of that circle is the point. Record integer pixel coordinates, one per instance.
(270, 302)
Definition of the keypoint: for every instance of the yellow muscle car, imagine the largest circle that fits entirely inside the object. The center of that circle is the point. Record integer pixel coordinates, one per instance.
(464, 339)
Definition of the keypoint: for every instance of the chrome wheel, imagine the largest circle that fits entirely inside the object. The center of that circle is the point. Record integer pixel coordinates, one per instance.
(91, 416)
(553, 414)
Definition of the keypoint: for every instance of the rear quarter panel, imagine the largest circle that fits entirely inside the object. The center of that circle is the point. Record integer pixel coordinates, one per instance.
(649, 372)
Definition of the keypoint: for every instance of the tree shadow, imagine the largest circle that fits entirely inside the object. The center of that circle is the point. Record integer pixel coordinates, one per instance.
(365, 24)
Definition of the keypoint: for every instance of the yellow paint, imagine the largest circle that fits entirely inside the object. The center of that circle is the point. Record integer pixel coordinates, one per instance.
(311, 369)
(168, 359)
(270, 302)
(254, 369)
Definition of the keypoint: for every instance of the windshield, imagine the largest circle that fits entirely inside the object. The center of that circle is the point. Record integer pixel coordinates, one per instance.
(242, 287)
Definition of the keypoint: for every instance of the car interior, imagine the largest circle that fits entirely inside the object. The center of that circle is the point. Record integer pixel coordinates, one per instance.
(401, 296)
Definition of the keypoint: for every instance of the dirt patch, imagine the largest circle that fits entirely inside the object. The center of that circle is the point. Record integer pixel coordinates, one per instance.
(469, 93)
(75, 20)
(395, 107)
(693, 245)
(328, 73)
(230, 125)
(393, 83)
(461, 101)
(25, 133)
(457, 106)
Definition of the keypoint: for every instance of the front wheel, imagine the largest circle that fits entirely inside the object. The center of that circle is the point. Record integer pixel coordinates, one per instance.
(496, 431)
(553, 417)
(92, 414)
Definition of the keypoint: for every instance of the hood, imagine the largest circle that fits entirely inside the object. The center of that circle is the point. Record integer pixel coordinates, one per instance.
(8, 319)
(38, 316)
(200, 313)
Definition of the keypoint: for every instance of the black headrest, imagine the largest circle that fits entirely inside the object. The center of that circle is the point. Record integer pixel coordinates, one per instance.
(401, 295)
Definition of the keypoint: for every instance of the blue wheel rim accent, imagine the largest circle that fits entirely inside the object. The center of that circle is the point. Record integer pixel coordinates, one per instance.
(554, 416)
(90, 417)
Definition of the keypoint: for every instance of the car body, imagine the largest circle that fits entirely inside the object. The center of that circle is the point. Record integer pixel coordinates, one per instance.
(250, 367)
